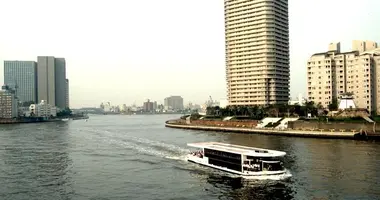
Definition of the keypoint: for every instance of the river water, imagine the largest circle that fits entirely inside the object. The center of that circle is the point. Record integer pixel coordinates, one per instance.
(136, 157)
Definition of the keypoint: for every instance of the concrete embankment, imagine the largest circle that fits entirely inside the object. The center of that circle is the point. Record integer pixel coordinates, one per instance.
(315, 134)
(286, 132)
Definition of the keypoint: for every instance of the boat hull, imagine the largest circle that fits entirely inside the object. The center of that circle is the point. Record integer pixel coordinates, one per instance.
(204, 162)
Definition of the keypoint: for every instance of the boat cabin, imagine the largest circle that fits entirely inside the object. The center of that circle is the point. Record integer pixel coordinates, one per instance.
(243, 159)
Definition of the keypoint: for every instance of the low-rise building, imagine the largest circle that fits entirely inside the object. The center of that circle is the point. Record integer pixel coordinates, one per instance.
(42, 110)
(8, 103)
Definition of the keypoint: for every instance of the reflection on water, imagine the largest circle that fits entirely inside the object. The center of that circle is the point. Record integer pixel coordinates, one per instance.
(241, 188)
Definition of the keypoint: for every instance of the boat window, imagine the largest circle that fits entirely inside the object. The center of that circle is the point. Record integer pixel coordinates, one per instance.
(274, 166)
(224, 163)
(253, 168)
(259, 151)
(265, 158)
(209, 152)
(224, 159)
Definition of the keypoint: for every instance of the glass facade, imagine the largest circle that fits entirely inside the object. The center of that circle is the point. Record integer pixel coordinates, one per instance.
(224, 159)
(22, 74)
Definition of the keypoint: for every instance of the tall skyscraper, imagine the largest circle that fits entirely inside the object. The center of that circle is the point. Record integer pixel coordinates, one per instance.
(24, 75)
(60, 83)
(46, 79)
(67, 94)
(52, 80)
(257, 51)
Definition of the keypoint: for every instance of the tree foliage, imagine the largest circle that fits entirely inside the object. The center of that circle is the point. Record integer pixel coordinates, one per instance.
(334, 104)
(65, 112)
(259, 112)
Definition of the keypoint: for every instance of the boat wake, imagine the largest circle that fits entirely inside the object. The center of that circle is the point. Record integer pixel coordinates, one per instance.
(170, 151)
(249, 179)
(143, 145)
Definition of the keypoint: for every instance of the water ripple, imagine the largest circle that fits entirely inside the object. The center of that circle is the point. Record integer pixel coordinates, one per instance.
(136, 157)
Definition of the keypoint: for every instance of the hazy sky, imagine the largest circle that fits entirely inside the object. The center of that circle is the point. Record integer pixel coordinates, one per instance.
(126, 51)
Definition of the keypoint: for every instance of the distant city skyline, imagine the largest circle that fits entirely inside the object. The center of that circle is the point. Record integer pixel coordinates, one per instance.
(124, 55)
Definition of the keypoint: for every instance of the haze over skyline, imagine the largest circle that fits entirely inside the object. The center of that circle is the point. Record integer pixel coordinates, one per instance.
(128, 51)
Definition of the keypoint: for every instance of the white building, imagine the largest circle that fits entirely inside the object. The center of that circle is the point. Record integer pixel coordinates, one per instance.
(42, 110)
(346, 102)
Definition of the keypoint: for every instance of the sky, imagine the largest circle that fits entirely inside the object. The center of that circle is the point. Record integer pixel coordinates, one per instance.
(124, 51)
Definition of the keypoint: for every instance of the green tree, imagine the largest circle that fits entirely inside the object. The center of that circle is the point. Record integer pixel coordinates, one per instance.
(334, 104)
(65, 112)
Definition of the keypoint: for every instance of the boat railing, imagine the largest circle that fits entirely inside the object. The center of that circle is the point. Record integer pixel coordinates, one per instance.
(251, 165)
(197, 154)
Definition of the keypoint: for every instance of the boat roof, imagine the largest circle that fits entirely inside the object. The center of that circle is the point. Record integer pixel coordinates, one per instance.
(249, 151)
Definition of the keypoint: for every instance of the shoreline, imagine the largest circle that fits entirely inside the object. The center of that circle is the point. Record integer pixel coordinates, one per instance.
(39, 120)
(288, 133)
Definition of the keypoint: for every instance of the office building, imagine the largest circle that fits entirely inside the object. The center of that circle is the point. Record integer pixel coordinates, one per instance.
(46, 79)
(22, 74)
(333, 74)
(257, 51)
(8, 103)
(51, 73)
(67, 94)
(173, 103)
(60, 83)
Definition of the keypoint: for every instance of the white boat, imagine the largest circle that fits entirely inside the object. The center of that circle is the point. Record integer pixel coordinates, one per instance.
(242, 160)
(65, 119)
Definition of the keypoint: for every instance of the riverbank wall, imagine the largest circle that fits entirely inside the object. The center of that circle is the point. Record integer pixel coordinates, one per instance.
(340, 126)
(39, 119)
(248, 127)
(27, 120)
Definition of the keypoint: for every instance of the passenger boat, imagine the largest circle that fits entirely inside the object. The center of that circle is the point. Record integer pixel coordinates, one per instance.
(242, 160)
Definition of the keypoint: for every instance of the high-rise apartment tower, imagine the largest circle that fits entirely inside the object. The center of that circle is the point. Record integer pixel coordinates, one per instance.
(257, 51)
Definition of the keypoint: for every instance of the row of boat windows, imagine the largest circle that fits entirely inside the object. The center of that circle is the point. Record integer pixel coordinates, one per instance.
(221, 163)
(211, 153)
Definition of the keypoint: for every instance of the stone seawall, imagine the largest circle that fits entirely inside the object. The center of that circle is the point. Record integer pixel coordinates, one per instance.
(300, 128)
(335, 126)
(217, 123)
(241, 123)
(297, 133)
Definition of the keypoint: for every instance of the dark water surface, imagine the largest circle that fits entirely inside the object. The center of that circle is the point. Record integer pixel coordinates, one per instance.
(136, 157)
